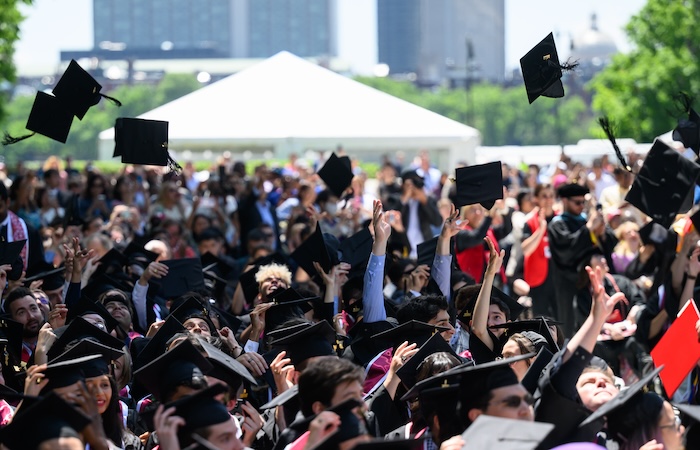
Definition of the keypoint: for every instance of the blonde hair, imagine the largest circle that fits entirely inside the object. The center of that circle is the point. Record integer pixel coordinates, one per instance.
(278, 270)
(623, 246)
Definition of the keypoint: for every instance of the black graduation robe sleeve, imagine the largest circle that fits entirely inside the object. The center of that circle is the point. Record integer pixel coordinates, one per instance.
(470, 238)
(568, 248)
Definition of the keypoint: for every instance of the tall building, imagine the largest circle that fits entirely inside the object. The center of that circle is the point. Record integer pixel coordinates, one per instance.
(214, 28)
(442, 40)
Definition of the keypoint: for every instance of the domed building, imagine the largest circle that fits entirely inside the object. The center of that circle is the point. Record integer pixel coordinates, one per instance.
(593, 49)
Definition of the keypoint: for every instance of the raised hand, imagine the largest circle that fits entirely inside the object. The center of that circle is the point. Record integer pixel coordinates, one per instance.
(166, 425)
(452, 224)
(603, 304)
(495, 258)
(282, 370)
(382, 229)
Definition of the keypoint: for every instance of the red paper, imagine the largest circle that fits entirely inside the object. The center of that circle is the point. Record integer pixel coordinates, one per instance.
(678, 350)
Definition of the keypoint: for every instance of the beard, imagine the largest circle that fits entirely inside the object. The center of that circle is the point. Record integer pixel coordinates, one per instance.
(28, 332)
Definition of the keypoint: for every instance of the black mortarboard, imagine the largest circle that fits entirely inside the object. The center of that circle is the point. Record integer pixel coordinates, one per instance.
(184, 275)
(52, 276)
(620, 400)
(313, 249)
(7, 393)
(282, 399)
(336, 174)
(491, 432)
(688, 130)
(78, 90)
(201, 409)
(479, 184)
(692, 431)
(569, 190)
(436, 344)
(351, 426)
(12, 332)
(87, 306)
(67, 372)
(180, 364)
(426, 252)
(141, 141)
(226, 319)
(247, 279)
(515, 308)
(356, 249)
(539, 326)
(43, 420)
(112, 262)
(289, 304)
(95, 367)
(10, 254)
(226, 368)
(542, 71)
(219, 269)
(655, 234)
(308, 342)
(532, 377)
(48, 117)
(80, 329)
(664, 185)
(136, 254)
(190, 306)
(157, 344)
(412, 331)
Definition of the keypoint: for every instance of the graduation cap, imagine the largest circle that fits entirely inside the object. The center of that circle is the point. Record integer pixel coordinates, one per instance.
(201, 409)
(87, 306)
(156, 345)
(10, 253)
(112, 262)
(95, 367)
(655, 234)
(179, 365)
(532, 377)
(356, 249)
(136, 254)
(664, 185)
(337, 174)
(141, 141)
(313, 249)
(541, 336)
(225, 318)
(48, 418)
(48, 117)
(569, 190)
(226, 368)
(250, 287)
(426, 252)
(481, 183)
(215, 272)
(436, 344)
(542, 71)
(412, 331)
(617, 403)
(688, 130)
(184, 275)
(78, 90)
(52, 276)
(351, 426)
(491, 432)
(391, 444)
(286, 396)
(67, 372)
(308, 342)
(12, 332)
(80, 329)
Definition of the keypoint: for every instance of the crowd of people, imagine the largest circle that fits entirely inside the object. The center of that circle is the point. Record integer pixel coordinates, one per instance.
(308, 307)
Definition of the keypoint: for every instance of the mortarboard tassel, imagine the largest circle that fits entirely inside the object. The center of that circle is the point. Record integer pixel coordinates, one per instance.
(566, 67)
(9, 140)
(607, 128)
(686, 102)
(112, 99)
(173, 165)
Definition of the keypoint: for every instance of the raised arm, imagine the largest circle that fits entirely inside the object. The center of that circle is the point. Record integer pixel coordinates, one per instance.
(480, 316)
(441, 270)
(372, 293)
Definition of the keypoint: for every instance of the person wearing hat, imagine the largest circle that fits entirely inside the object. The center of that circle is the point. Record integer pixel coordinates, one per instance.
(14, 228)
(419, 211)
(572, 235)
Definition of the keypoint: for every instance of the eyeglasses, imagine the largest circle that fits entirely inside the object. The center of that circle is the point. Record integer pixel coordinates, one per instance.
(514, 401)
(676, 424)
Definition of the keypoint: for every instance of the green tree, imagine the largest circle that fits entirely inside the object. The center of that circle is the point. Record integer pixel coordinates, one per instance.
(10, 19)
(637, 90)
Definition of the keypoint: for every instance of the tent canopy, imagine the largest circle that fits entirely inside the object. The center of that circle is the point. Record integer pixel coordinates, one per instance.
(288, 104)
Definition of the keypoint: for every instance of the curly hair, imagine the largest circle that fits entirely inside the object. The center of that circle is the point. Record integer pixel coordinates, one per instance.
(278, 270)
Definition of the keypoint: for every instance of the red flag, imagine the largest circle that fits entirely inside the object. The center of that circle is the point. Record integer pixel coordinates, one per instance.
(679, 349)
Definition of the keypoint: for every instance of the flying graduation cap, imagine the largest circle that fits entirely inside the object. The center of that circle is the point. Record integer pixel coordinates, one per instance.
(337, 174)
(142, 141)
(52, 115)
(542, 71)
(688, 130)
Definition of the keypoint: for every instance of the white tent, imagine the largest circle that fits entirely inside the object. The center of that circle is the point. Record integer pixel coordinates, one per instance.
(286, 104)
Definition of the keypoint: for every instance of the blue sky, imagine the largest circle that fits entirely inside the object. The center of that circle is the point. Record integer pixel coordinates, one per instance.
(53, 25)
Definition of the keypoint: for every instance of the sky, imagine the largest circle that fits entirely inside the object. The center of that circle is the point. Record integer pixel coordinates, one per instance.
(55, 25)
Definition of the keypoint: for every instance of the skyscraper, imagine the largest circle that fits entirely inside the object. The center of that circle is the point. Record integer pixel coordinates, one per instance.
(443, 39)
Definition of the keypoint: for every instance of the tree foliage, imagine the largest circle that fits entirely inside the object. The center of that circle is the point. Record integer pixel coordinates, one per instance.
(10, 19)
(502, 115)
(637, 90)
(82, 141)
